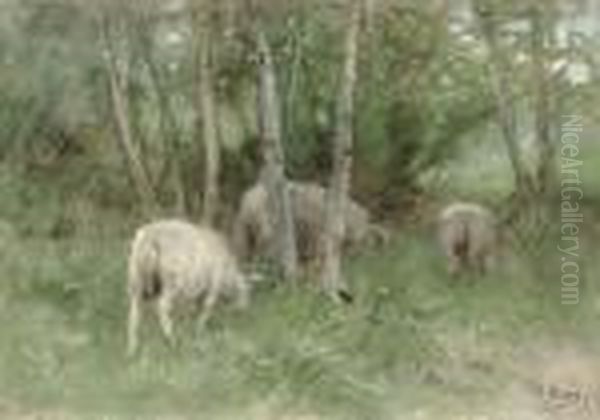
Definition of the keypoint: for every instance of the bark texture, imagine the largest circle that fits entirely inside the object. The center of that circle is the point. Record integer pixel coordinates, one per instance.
(118, 93)
(210, 133)
(273, 172)
(335, 225)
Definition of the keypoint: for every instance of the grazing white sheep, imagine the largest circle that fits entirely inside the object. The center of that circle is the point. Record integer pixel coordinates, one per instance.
(468, 235)
(253, 230)
(173, 262)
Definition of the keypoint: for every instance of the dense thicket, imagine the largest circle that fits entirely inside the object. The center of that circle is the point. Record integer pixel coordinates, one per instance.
(424, 92)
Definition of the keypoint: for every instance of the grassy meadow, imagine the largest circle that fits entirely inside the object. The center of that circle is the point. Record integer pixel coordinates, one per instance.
(415, 344)
(106, 112)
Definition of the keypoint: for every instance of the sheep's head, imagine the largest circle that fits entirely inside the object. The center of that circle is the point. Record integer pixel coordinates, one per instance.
(377, 236)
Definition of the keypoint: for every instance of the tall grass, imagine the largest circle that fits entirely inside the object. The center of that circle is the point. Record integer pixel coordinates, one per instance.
(413, 338)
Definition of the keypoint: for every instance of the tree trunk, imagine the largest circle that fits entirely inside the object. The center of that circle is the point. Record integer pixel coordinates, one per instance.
(505, 107)
(273, 173)
(335, 225)
(167, 122)
(121, 114)
(543, 113)
(527, 212)
(206, 105)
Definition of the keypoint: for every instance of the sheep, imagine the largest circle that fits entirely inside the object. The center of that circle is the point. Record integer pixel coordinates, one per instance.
(468, 234)
(172, 262)
(253, 231)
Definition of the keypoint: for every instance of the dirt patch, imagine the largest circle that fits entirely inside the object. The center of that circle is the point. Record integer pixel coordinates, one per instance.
(545, 381)
(551, 382)
(566, 382)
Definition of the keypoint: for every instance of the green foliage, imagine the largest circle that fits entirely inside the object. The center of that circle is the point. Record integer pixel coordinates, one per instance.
(48, 86)
(424, 122)
(423, 91)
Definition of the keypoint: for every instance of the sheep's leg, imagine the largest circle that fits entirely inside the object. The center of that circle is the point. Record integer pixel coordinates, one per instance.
(133, 325)
(484, 263)
(455, 263)
(164, 308)
(209, 302)
(478, 260)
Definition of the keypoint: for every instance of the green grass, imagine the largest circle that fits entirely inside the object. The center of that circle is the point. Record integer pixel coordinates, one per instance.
(413, 338)
(414, 341)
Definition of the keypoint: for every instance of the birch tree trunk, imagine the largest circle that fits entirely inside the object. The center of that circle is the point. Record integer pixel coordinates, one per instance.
(527, 211)
(273, 172)
(120, 107)
(206, 108)
(167, 121)
(541, 27)
(335, 223)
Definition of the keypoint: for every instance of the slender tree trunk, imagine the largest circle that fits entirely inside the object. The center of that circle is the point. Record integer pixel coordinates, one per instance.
(167, 122)
(527, 213)
(273, 173)
(530, 184)
(543, 112)
(370, 15)
(505, 107)
(121, 114)
(335, 225)
(206, 102)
